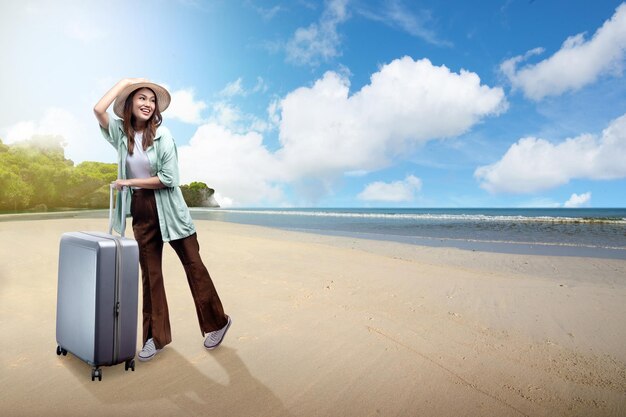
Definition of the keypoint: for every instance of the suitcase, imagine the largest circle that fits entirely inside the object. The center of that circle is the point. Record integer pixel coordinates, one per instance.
(97, 296)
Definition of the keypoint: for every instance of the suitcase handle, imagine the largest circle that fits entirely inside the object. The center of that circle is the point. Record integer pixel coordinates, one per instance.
(124, 191)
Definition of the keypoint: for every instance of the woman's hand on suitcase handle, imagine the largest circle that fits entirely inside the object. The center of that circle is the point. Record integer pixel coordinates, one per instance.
(120, 183)
(151, 183)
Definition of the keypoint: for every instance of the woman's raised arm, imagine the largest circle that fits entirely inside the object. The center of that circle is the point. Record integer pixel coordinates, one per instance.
(100, 109)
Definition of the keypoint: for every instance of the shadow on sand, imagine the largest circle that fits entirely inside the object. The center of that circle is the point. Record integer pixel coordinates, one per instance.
(173, 378)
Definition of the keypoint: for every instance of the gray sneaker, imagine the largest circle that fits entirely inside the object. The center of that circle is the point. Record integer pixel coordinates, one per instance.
(214, 339)
(149, 351)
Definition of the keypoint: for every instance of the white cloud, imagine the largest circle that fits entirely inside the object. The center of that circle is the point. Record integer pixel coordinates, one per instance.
(55, 121)
(578, 200)
(233, 89)
(579, 62)
(229, 115)
(534, 164)
(232, 118)
(236, 88)
(185, 107)
(273, 113)
(326, 133)
(260, 86)
(238, 166)
(226, 115)
(394, 192)
(81, 142)
(396, 15)
(319, 40)
(223, 201)
(356, 173)
(268, 13)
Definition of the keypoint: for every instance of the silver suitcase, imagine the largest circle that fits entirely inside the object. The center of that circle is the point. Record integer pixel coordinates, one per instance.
(97, 296)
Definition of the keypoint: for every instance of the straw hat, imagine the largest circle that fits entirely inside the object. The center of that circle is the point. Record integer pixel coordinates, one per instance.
(162, 96)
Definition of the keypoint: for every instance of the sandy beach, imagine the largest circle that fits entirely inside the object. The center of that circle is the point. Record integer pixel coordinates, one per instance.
(333, 326)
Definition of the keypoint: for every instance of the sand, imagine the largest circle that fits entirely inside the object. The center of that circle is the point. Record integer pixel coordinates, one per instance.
(330, 326)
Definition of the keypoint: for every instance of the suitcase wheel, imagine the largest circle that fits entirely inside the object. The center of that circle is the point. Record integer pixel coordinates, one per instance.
(96, 373)
(61, 351)
(130, 364)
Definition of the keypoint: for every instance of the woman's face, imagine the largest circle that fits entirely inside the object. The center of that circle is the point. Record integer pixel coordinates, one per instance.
(144, 103)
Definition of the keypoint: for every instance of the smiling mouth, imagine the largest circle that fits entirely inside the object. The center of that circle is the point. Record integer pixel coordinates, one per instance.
(146, 111)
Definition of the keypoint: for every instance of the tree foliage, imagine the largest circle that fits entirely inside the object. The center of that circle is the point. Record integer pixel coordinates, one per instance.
(32, 173)
(35, 175)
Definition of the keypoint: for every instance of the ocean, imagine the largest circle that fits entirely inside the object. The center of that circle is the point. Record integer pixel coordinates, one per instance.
(563, 232)
(599, 233)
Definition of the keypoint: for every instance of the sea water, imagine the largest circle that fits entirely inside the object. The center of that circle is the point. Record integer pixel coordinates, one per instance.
(575, 232)
(597, 233)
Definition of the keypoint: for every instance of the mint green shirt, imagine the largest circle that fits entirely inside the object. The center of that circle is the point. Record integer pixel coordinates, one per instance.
(174, 218)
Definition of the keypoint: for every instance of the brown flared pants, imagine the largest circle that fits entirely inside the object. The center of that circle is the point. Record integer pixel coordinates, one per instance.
(156, 321)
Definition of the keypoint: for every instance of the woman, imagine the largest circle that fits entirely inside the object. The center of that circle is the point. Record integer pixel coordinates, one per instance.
(148, 165)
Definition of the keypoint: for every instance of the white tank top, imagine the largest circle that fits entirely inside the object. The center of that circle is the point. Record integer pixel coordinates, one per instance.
(137, 164)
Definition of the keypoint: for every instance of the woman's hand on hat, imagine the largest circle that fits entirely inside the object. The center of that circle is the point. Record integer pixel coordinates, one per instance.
(131, 81)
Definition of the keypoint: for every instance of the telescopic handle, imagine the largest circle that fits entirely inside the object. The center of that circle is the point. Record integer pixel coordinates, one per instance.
(124, 191)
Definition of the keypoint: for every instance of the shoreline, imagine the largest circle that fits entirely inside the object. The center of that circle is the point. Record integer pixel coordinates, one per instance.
(331, 325)
(473, 245)
(492, 246)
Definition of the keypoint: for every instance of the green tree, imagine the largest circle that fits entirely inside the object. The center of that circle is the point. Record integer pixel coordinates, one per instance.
(14, 192)
(35, 173)
(40, 162)
(89, 184)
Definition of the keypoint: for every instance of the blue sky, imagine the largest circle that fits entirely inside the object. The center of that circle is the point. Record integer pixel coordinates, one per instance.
(342, 103)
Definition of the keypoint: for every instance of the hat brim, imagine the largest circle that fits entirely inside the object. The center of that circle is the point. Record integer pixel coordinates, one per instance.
(162, 95)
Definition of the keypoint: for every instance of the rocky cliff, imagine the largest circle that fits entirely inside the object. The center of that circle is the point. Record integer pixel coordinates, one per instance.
(208, 198)
(198, 194)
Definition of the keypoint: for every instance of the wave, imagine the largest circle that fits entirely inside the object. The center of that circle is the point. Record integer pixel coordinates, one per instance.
(527, 243)
(434, 216)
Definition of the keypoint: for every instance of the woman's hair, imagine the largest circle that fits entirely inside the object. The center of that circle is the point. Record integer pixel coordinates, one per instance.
(151, 125)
